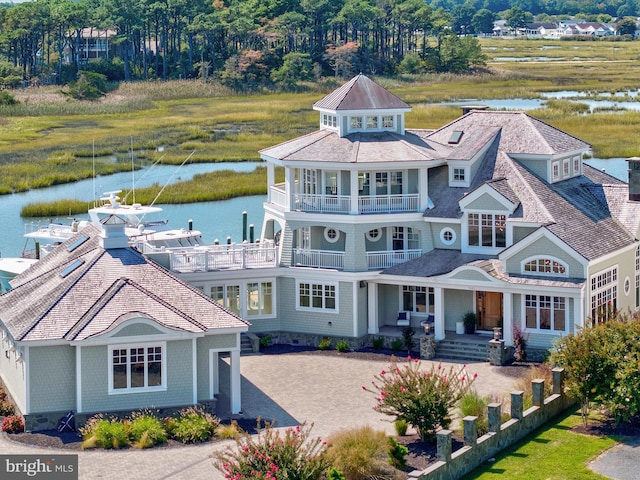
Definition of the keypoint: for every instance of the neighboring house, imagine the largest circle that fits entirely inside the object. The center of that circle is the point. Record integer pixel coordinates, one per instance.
(90, 43)
(493, 213)
(541, 30)
(96, 327)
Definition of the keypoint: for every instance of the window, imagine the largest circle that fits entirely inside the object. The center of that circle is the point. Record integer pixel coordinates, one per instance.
(566, 168)
(317, 296)
(329, 120)
(604, 295)
(487, 230)
(374, 235)
(135, 368)
(417, 299)
(387, 121)
(555, 170)
(355, 123)
(447, 236)
(405, 238)
(576, 165)
(543, 265)
(259, 298)
(331, 235)
(372, 122)
(458, 175)
(228, 296)
(455, 137)
(543, 312)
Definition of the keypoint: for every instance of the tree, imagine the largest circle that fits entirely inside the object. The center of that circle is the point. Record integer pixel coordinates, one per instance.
(462, 16)
(424, 398)
(483, 20)
(296, 67)
(626, 26)
(517, 18)
(342, 58)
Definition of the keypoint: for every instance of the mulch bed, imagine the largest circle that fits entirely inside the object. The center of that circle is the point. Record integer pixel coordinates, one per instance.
(607, 427)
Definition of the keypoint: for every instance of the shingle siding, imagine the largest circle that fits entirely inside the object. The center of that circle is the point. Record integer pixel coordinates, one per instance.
(486, 203)
(543, 247)
(13, 374)
(53, 378)
(456, 304)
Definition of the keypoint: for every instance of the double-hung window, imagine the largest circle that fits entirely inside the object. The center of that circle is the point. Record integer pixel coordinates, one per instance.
(487, 230)
(544, 312)
(604, 295)
(317, 296)
(137, 368)
(259, 298)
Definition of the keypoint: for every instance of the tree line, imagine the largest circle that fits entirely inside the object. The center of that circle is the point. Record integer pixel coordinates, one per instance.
(253, 42)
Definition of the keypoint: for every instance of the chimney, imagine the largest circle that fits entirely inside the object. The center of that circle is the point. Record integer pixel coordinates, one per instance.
(113, 234)
(634, 179)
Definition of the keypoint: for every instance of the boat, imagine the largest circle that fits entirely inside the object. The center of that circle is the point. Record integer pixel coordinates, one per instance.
(9, 268)
(142, 230)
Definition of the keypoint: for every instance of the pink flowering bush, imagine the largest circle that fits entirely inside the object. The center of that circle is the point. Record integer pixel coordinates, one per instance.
(13, 424)
(424, 398)
(275, 455)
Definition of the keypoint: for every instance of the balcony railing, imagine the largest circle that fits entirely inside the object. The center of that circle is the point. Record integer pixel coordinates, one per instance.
(321, 203)
(277, 195)
(318, 259)
(389, 258)
(389, 203)
(220, 257)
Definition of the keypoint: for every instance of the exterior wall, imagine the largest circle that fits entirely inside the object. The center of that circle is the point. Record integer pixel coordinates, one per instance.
(388, 304)
(486, 202)
(363, 313)
(203, 345)
(470, 275)
(138, 329)
(13, 374)
(520, 232)
(316, 322)
(52, 378)
(95, 364)
(545, 248)
(625, 262)
(412, 181)
(436, 228)
(538, 167)
(456, 304)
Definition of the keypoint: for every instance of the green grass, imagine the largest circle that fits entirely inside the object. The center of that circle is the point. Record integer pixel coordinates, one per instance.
(552, 452)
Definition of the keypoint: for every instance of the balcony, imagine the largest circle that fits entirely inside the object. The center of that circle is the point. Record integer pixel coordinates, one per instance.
(389, 258)
(389, 203)
(318, 259)
(220, 257)
(321, 203)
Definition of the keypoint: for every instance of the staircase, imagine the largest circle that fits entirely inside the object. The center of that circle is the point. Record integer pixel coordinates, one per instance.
(245, 343)
(470, 348)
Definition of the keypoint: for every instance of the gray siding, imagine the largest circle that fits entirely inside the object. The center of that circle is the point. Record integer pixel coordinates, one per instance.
(204, 344)
(95, 364)
(436, 228)
(138, 329)
(388, 304)
(545, 248)
(626, 269)
(52, 378)
(13, 374)
(521, 232)
(486, 202)
(538, 167)
(470, 275)
(456, 304)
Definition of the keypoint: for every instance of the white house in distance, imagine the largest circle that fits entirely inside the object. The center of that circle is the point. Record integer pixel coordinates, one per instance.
(493, 213)
(96, 327)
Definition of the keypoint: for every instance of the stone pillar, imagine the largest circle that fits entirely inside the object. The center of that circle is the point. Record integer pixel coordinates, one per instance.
(498, 353)
(427, 347)
(444, 445)
(494, 415)
(470, 430)
(558, 381)
(537, 387)
(517, 404)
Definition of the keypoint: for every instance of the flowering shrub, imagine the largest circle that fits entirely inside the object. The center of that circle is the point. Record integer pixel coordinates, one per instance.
(519, 344)
(424, 398)
(145, 430)
(13, 424)
(273, 455)
(193, 425)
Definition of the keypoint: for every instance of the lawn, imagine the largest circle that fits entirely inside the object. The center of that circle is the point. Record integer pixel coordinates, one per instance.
(553, 452)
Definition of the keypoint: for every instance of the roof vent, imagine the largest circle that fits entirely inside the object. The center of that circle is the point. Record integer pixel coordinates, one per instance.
(455, 137)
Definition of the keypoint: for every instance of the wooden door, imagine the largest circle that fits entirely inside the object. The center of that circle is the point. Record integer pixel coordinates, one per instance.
(489, 308)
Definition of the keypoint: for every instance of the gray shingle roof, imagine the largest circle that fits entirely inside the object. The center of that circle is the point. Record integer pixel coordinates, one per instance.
(93, 298)
(360, 93)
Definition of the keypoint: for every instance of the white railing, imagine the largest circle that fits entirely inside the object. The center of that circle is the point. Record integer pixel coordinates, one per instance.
(220, 257)
(318, 259)
(389, 258)
(277, 195)
(321, 203)
(389, 203)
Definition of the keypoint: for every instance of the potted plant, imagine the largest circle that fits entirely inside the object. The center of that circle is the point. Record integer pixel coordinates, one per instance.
(469, 320)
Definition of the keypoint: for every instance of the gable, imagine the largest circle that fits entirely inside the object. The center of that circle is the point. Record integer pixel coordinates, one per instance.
(137, 330)
(487, 202)
(469, 274)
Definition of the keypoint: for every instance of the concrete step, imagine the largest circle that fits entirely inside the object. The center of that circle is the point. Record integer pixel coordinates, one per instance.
(455, 350)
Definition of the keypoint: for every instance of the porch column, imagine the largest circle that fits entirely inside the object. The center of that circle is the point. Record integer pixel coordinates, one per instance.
(579, 313)
(235, 395)
(423, 188)
(214, 387)
(372, 304)
(438, 313)
(507, 319)
(353, 189)
(194, 369)
(289, 187)
(78, 380)
(271, 179)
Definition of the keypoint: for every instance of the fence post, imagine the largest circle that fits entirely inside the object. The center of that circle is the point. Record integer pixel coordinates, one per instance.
(558, 381)
(444, 445)
(470, 430)
(537, 387)
(517, 404)
(494, 415)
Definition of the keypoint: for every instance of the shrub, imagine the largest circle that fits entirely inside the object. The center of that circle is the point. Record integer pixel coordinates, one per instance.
(13, 424)
(335, 475)
(7, 99)
(265, 341)
(6, 408)
(360, 453)
(145, 430)
(472, 404)
(401, 426)
(88, 86)
(407, 338)
(378, 343)
(424, 398)
(396, 454)
(193, 425)
(542, 371)
(343, 346)
(232, 430)
(396, 344)
(324, 344)
(104, 433)
(273, 454)
(519, 344)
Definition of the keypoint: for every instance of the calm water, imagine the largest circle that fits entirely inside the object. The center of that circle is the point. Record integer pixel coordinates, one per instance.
(213, 219)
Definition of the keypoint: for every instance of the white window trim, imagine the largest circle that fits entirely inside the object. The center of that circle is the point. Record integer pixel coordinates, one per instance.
(627, 286)
(328, 238)
(128, 390)
(555, 170)
(550, 330)
(524, 262)
(576, 165)
(608, 288)
(371, 238)
(458, 183)
(244, 299)
(318, 309)
(446, 230)
(566, 167)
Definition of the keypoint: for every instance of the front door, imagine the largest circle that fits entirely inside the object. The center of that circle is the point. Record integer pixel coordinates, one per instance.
(489, 309)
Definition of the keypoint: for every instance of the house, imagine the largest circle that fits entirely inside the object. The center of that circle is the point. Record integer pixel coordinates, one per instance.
(377, 226)
(97, 327)
(541, 30)
(88, 44)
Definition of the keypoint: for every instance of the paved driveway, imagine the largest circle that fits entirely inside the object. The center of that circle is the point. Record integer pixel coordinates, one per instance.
(288, 388)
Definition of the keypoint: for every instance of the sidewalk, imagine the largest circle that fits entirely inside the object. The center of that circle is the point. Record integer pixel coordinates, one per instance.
(288, 388)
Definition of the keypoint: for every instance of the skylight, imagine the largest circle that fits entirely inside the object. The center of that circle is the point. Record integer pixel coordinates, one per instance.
(71, 268)
(79, 241)
(455, 137)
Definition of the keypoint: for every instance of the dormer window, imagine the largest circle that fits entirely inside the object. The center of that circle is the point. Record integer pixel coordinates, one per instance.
(387, 121)
(372, 122)
(487, 230)
(555, 171)
(576, 165)
(329, 120)
(566, 168)
(458, 174)
(355, 123)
